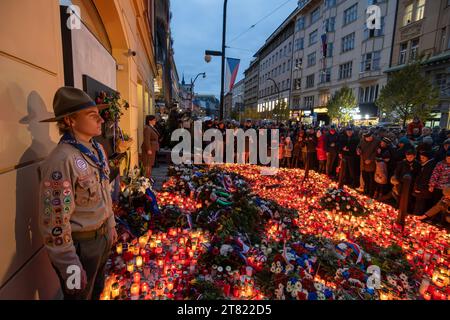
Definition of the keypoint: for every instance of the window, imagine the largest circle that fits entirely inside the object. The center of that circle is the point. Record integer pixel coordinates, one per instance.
(298, 63)
(313, 37)
(351, 14)
(345, 70)
(299, 44)
(300, 25)
(330, 50)
(284, 67)
(368, 94)
(330, 3)
(370, 61)
(403, 52)
(298, 84)
(310, 81)
(414, 49)
(311, 59)
(443, 84)
(348, 42)
(407, 18)
(288, 83)
(420, 9)
(443, 39)
(290, 47)
(309, 102)
(325, 75)
(315, 15)
(329, 24)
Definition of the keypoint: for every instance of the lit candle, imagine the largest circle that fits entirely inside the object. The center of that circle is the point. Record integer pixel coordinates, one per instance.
(139, 261)
(130, 266)
(115, 290)
(119, 248)
(135, 288)
(143, 241)
(137, 277)
(144, 287)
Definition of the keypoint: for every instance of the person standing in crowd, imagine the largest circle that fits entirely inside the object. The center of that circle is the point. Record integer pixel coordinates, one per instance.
(414, 128)
(321, 151)
(311, 144)
(368, 153)
(348, 153)
(408, 166)
(76, 219)
(297, 151)
(332, 148)
(421, 191)
(381, 178)
(440, 178)
(441, 153)
(281, 150)
(302, 139)
(287, 152)
(403, 145)
(150, 145)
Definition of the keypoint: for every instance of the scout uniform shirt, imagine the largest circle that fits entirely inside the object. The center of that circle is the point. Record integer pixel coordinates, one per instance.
(72, 199)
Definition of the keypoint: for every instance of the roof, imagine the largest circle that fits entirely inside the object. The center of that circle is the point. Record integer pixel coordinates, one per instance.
(281, 28)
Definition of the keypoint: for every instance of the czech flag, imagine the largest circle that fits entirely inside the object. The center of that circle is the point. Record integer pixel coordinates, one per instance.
(231, 72)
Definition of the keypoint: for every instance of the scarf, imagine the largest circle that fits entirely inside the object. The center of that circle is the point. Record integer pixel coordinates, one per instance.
(100, 163)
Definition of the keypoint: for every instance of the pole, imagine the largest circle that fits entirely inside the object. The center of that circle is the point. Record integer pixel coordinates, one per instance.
(222, 79)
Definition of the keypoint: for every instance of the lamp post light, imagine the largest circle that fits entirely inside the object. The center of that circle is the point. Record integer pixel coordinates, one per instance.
(209, 53)
(192, 87)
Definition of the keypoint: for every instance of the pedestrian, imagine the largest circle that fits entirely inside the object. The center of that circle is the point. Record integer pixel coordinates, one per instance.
(440, 178)
(443, 206)
(381, 178)
(368, 153)
(311, 144)
(408, 166)
(76, 219)
(297, 152)
(332, 148)
(287, 152)
(348, 154)
(421, 190)
(150, 145)
(321, 151)
(281, 150)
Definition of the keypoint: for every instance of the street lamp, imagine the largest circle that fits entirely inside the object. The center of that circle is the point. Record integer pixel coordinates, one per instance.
(192, 86)
(209, 53)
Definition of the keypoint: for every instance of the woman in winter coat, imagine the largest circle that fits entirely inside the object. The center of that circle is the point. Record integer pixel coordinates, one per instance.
(321, 151)
(288, 146)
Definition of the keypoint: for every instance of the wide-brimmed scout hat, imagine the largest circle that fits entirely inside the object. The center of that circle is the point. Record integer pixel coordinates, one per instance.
(69, 100)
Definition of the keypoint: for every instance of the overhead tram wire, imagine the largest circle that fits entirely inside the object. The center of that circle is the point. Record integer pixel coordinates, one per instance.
(259, 21)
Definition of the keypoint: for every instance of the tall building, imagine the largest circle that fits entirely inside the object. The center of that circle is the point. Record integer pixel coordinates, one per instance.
(186, 95)
(237, 103)
(334, 48)
(423, 29)
(251, 86)
(208, 103)
(275, 65)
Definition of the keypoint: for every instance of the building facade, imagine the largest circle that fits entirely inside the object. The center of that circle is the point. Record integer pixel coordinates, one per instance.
(423, 30)
(251, 86)
(334, 48)
(112, 45)
(275, 65)
(237, 104)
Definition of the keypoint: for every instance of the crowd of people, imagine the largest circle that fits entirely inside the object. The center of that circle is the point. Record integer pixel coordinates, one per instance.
(374, 160)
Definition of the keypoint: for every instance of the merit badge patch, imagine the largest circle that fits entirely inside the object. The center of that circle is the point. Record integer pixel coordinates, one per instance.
(49, 241)
(67, 192)
(58, 220)
(67, 200)
(66, 184)
(56, 175)
(47, 193)
(47, 184)
(56, 193)
(66, 209)
(48, 211)
(81, 164)
(56, 202)
(57, 210)
(56, 184)
(57, 231)
(67, 238)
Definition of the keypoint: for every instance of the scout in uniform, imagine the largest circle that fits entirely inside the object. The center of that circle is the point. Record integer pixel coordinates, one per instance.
(76, 218)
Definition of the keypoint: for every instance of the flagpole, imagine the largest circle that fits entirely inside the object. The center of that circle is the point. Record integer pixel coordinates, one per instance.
(222, 80)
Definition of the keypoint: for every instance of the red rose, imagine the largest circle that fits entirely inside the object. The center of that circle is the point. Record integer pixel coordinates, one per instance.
(215, 251)
(301, 295)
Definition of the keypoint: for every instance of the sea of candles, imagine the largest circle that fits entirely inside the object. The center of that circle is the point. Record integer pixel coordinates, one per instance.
(161, 265)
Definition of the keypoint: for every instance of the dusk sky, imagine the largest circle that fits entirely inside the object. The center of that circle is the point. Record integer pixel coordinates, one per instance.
(197, 26)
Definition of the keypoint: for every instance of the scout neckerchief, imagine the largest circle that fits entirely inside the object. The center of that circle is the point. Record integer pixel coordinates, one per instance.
(101, 163)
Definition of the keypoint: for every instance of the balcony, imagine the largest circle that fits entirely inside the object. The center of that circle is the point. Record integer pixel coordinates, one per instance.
(411, 30)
